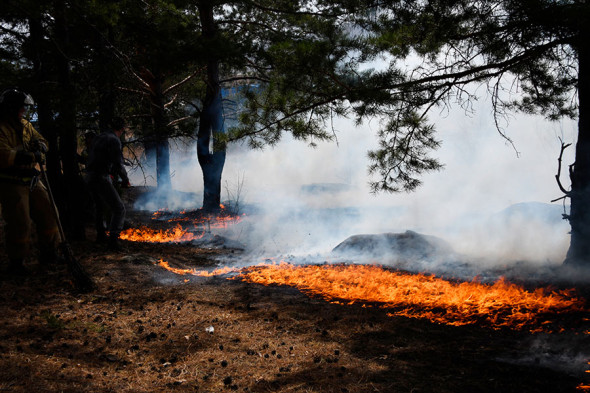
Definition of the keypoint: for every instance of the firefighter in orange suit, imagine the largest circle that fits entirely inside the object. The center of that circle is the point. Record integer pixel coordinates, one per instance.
(22, 197)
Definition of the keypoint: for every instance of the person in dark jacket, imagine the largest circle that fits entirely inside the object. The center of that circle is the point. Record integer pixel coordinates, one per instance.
(22, 196)
(105, 163)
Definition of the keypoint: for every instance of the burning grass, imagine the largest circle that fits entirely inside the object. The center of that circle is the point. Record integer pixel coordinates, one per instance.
(145, 234)
(147, 329)
(502, 304)
(200, 221)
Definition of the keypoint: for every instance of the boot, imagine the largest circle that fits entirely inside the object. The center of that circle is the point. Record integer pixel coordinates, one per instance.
(16, 268)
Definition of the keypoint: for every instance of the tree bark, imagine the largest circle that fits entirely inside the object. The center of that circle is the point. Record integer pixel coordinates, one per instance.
(72, 205)
(579, 250)
(211, 156)
(160, 136)
(107, 95)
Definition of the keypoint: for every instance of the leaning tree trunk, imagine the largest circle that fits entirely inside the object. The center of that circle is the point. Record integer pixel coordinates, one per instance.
(579, 251)
(210, 153)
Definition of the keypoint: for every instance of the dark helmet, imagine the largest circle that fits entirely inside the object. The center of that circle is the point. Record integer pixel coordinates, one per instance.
(12, 100)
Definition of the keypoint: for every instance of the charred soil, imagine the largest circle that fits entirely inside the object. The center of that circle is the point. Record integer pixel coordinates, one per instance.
(146, 329)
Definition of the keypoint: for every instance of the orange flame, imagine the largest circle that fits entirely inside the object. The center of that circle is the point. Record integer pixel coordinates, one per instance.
(501, 304)
(145, 234)
(584, 387)
(195, 272)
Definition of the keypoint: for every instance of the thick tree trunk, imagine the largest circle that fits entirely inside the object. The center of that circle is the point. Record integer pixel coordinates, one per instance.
(68, 143)
(162, 146)
(160, 136)
(579, 251)
(210, 154)
(42, 94)
(211, 158)
(163, 164)
(107, 97)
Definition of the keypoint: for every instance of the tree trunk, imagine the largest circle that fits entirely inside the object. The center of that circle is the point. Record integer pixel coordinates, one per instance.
(210, 154)
(579, 251)
(163, 164)
(42, 94)
(107, 96)
(211, 159)
(154, 80)
(66, 122)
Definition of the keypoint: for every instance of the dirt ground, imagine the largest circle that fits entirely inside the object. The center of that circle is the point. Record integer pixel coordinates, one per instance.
(146, 329)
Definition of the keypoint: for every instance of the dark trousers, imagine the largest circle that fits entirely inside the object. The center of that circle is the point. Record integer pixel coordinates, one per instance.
(104, 193)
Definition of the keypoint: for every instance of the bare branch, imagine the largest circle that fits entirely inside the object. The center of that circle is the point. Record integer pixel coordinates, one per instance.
(177, 121)
(135, 91)
(558, 175)
(185, 80)
(166, 105)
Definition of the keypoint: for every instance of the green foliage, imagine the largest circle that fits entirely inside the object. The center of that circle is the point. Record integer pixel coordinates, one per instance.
(525, 53)
(402, 155)
(297, 65)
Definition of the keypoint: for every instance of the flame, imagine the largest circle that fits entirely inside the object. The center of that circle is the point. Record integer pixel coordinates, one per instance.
(502, 304)
(145, 234)
(584, 387)
(195, 272)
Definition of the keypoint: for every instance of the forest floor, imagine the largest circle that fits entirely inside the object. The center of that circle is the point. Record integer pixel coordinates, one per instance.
(146, 329)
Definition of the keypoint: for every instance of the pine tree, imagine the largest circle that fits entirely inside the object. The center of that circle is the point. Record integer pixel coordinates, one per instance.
(532, 56)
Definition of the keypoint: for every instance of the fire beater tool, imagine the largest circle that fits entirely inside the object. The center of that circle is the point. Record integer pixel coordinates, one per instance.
(82, 281)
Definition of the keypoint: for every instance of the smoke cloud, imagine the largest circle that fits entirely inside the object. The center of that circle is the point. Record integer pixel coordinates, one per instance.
(491, 202)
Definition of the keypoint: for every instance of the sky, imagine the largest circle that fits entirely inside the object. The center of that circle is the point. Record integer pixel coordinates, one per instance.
(462, 203)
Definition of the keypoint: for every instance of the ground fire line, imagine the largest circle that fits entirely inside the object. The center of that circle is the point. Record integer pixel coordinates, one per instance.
(498, 305)
(201, 224)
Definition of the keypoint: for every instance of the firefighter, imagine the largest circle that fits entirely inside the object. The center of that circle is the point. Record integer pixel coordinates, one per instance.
(105, 163)
(22, 196)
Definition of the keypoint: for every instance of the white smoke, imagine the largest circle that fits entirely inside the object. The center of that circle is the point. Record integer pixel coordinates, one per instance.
(308, 200)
